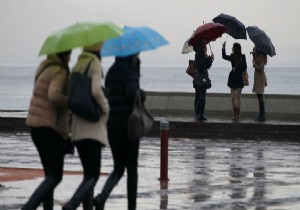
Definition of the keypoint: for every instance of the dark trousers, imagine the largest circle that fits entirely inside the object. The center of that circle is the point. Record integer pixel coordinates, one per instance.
(50, 146)
(125, 155)
(90, 156)
(261, 105)
(199, 103)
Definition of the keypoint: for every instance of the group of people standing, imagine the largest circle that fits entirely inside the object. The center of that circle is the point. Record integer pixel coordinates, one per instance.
(52, 125)
(235, 82)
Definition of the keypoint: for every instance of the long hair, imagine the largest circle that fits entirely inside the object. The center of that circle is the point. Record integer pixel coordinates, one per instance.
(237, 53)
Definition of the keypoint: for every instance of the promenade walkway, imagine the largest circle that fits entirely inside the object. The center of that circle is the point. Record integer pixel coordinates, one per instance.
(213, 165)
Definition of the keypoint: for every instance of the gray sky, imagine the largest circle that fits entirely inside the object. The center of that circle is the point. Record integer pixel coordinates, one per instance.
(26, 24)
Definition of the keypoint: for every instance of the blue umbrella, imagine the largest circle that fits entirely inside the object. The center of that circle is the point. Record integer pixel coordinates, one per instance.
(133, 41)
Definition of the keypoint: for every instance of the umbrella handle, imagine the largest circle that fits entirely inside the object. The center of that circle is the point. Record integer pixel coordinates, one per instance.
(209, 43)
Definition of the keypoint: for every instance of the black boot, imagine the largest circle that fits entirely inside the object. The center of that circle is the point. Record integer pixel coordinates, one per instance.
(261, 103)
(41, 193)
(201, 107)
(82, 194)
(48, 201)
(99, 200)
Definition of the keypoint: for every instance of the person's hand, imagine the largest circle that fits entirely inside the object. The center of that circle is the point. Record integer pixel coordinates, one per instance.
(224, 44)
(212, 56)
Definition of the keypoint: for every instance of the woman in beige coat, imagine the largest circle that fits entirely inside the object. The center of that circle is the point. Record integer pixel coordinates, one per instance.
(259, 61)
(89, 137)
(48, 118)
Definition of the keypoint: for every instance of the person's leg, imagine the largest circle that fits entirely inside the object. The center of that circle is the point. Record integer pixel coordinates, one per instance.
(233, 102)
(261, 104)
(201, 104)
(132, 174)
(90, 155)
(117, 135)
(238, 103)
(196, 103)
(50, 146)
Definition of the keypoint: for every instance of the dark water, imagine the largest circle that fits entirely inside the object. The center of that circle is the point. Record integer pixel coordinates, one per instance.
(16, 82)
(203, 173)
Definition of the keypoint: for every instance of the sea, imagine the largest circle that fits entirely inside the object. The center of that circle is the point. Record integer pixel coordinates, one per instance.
(16, 82)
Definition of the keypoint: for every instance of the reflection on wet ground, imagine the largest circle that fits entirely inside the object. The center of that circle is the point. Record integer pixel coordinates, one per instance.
(203, 173)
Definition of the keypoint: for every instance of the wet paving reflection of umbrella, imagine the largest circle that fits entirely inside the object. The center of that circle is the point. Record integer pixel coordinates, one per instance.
(79, 35)
(134, 40)
(261, 40)
(208, 31)
(236, 29)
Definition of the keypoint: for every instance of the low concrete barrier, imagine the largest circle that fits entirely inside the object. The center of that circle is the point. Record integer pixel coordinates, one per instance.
(286, 107)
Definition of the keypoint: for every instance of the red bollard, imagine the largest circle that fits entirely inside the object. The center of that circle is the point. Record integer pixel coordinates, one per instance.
(164, 150)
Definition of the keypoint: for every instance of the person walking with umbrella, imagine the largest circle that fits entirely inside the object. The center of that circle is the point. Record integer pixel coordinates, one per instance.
(123, 84)
(89, 137)
(235, 78)
(48, 118)
(260, 81)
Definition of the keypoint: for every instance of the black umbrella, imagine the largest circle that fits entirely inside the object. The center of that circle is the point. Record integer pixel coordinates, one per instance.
(261, 40)
(236, 29)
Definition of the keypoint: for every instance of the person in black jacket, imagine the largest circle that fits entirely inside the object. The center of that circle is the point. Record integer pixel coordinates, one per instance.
(235, 79)
(202, 63)
(122, 84)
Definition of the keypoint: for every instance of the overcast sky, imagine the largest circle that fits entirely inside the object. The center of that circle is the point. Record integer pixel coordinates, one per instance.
(25, 24)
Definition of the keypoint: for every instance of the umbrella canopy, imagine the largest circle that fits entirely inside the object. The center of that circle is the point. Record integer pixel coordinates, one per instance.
(261, 40)
(133, 41)
(209, 31)
(186, 47)
(236, 29)
(79, 35)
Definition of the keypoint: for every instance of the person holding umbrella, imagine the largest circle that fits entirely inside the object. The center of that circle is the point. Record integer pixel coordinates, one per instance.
(263, 46)
(89, 137)
(235, 78)
(259, 61)
(202, 63)
(123, 84)
(48, 118)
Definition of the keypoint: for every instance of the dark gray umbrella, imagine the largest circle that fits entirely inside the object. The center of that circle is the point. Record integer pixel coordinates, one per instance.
(236, 29)
(261, 40)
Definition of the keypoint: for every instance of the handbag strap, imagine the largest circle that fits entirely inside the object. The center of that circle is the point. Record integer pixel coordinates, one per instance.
(138, 99)
(87, 68)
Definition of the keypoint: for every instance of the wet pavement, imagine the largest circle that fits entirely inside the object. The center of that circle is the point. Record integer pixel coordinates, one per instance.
(203, 174)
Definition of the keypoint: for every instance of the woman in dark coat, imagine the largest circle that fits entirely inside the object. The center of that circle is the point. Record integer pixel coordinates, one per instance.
(122, 84)
(202, 63)
(235, 79)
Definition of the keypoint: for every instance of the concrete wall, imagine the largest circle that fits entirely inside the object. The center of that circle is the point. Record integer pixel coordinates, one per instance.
(219, 105)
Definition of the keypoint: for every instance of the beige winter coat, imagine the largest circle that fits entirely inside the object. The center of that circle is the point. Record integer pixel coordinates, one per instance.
(48, 105)
(259, 75)
(80, 128)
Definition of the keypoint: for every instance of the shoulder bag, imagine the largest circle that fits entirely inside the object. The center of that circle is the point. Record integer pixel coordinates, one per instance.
(81, 101)
(140, 121)
(191, 70)
(245, 78)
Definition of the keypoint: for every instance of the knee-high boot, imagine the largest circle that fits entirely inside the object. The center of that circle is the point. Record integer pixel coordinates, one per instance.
(100, 199)
(237, 117)
(201, 110)
(41, 193)
(82, 193)
(48, 201)
(132, 189)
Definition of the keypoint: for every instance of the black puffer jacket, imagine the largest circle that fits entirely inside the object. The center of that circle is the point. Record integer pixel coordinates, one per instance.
(122, 82)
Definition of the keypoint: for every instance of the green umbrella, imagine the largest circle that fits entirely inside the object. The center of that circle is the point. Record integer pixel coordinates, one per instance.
(79, 35)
